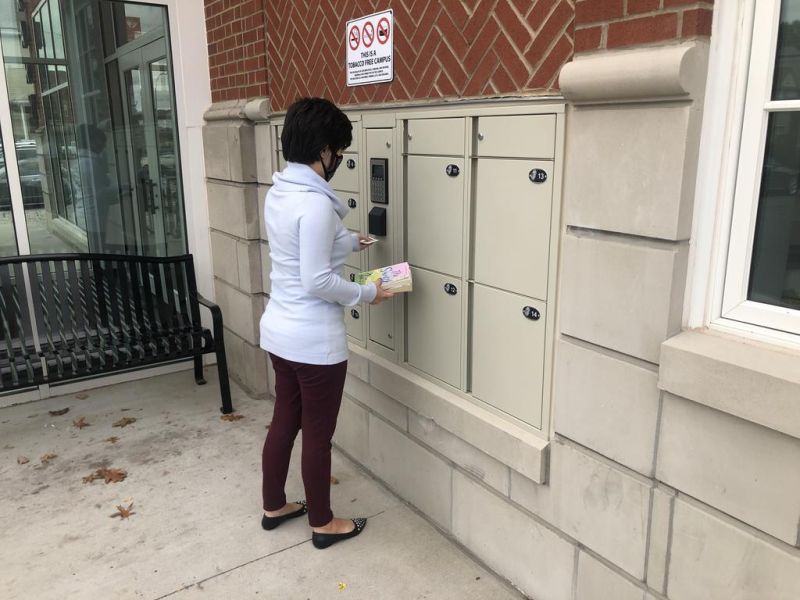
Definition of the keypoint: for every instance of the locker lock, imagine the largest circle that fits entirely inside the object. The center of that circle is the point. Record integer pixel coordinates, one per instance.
(452, 170)
(537, 175)
(354, 314)
(531, 313)
(352, 203)
(351, 164)
(450, 289)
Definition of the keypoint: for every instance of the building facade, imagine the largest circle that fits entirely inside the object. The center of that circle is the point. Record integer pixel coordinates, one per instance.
(594, 387)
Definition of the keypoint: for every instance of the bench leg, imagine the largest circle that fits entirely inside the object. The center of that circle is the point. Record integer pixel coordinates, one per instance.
(199, 378)
(224, 382)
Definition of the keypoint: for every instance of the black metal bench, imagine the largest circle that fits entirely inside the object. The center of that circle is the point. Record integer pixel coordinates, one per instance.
(70, 316)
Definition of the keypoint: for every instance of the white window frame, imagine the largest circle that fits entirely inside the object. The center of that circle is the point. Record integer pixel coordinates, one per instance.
(733, 140)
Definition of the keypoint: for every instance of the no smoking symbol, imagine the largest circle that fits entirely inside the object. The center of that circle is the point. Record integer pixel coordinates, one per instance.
(368, 33)
(383, 30)
(354, 37)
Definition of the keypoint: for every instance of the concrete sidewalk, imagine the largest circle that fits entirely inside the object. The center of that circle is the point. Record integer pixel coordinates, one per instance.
(194, 481)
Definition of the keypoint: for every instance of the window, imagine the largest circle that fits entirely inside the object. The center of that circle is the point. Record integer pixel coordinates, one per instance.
(759, 286)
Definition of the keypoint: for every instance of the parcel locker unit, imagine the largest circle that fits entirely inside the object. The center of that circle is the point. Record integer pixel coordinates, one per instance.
(482, 221)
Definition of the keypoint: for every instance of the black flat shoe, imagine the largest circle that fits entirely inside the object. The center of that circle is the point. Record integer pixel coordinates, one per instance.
(324, 540)
(270, 523)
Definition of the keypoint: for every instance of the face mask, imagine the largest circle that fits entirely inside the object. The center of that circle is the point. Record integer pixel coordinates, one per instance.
(329, 172)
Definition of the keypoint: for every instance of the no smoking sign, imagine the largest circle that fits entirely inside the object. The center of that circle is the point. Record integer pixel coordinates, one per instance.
(370, 49)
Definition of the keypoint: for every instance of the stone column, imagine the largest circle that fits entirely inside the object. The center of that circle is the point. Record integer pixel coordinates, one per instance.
(235, 202)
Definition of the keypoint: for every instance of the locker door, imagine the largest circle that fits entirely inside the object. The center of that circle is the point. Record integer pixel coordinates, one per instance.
(380, 254)
(354, 316)
(434, 326)
(348, 174)
(353, 219)
(381, 316)
(435, 213)
(531, 136)
(512, 225)
(508, 352)
(436, 136)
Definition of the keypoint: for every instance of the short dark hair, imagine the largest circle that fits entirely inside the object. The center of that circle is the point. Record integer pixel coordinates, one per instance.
(312, 124)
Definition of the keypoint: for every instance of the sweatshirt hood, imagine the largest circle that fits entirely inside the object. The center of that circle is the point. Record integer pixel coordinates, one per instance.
(297, 177)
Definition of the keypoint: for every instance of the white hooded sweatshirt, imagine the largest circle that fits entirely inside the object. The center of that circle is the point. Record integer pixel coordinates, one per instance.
(308, 244)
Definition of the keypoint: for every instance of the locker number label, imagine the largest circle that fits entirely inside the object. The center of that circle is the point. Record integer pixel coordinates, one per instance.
(351, 164)
(531, 313)
(452, 170)
(354, 314)
(537, 175)
(450, 289)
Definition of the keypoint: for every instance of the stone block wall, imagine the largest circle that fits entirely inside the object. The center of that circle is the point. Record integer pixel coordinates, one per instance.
(235, 154)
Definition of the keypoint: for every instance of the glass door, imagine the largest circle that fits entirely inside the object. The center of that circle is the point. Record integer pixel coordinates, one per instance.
(153, 149)
(91, 98)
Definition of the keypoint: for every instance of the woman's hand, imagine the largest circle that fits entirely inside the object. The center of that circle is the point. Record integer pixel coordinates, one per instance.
(364, 241)
(382, 293)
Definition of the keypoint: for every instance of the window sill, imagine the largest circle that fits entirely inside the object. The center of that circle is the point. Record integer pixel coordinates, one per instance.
(751, 380)
(510, 444)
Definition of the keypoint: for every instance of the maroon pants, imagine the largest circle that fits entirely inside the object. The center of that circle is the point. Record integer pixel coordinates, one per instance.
(307, 397)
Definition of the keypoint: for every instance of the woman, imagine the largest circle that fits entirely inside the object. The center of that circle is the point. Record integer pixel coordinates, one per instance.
(303, 326)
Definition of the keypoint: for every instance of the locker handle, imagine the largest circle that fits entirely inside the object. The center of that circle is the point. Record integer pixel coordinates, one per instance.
(531, 313)
(480, 137)
(354, 314)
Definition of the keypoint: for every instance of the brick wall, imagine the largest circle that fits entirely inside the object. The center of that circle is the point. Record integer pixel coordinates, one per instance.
(237, 52)
(610, 24)
(443, 49)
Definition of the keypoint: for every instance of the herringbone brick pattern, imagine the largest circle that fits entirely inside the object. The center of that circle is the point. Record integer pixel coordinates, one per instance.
(443, 48)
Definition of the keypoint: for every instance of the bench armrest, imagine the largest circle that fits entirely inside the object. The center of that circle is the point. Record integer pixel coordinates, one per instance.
(216, 313)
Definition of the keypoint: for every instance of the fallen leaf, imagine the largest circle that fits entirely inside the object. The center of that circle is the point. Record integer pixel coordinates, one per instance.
(334, 481)
(112, 440)
(81, 423)
(81, 396)
(342, 586)
(124, 422)
(230, 418)
(46, 458)
(109, 475)
(123, 512)
(58, 413)
(21, 460)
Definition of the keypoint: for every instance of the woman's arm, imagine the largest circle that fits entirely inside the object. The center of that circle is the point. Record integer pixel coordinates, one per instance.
(316, 234)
